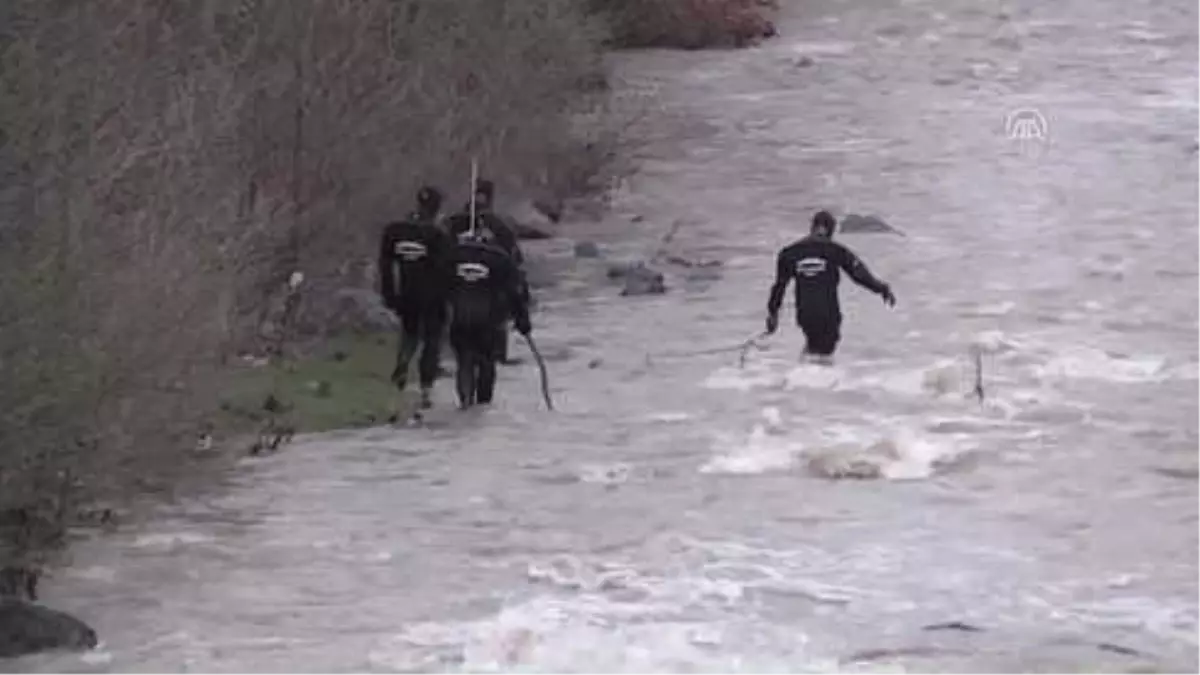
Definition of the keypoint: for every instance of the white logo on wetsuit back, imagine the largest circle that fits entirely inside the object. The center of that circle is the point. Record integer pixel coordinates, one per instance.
(410, 251)
(810, 267)
(472, 271)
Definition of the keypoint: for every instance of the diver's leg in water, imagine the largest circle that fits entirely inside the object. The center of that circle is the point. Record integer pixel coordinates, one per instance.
(822, 334)
(464, 366)
(489, 355)
(410, 338)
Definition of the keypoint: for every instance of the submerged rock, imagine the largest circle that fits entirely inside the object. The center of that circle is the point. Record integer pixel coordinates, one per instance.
(641, 280)
(586, 249)
(26, 628)
(854, 223)
(953, 625)
(620, 270)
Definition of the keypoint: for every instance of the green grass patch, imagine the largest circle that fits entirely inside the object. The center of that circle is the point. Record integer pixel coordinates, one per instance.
(342, 384)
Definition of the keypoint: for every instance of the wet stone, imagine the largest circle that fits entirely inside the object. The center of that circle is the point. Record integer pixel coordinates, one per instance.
(855, 223)
(643, 281)
(27, 628)
(586, 249)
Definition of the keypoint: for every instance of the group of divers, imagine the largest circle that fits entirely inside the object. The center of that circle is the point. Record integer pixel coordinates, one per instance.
(466, 271)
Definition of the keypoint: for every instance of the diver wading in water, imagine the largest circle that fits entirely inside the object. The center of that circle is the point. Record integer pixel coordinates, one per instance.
(815, 263)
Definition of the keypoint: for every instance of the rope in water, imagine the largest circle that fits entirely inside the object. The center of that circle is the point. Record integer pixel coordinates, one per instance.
(742, 348)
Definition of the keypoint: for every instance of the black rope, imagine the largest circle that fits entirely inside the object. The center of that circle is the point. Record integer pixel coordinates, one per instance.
(742, 349)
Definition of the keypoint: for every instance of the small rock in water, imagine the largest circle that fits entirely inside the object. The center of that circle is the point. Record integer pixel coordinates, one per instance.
(854, 223)
(691, 264)
(26, 628)
(619, 270)
(1182, 473)
(643, 281)
(804, 62)
(954, 625)
(586, 249)
(1117, 649)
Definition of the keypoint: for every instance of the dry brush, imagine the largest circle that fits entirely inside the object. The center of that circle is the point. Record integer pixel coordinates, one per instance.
(166, 164)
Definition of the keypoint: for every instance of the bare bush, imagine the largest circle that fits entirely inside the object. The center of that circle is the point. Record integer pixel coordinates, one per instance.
(687, 24)
(167, 164)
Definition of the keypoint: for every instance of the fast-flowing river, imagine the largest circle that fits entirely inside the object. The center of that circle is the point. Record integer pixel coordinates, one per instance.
(681, 513)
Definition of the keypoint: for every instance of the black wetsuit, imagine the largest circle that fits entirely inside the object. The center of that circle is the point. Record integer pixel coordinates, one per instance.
(412, 267)
(492, 229)
(485, 292)
(814, 263)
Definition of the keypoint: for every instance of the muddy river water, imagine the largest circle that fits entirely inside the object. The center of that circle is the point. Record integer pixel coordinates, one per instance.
(680, 513)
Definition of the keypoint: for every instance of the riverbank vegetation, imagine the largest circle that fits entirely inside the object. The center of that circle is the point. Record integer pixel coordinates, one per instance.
(167, 166)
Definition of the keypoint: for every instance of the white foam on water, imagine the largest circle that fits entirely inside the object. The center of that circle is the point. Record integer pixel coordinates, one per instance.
(739, 379)
(1186, 371)
(166, 540)
(762, 452)
(995, 309)
(944, 379)
(897, 453)
(691, 611)
(997, 342)
(873, 449)
(821, 48)
(766, 449)
(1017, 364)
(669, 417)
(814, 376)
(570, 572)
(1079, 362)
(1173, 620)
(100, 656)
(548, 634)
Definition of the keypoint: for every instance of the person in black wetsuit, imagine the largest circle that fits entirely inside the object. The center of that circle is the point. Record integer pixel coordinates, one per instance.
(491, 228)
(485, 291)
(814, 263)
(413, 255)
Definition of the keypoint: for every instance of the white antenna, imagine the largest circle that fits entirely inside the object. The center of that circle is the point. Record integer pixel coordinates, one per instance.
(474, 177)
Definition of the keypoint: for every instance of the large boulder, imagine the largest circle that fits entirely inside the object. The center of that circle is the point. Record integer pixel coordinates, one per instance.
(26, 628)
(853, 223)
(528, 218)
